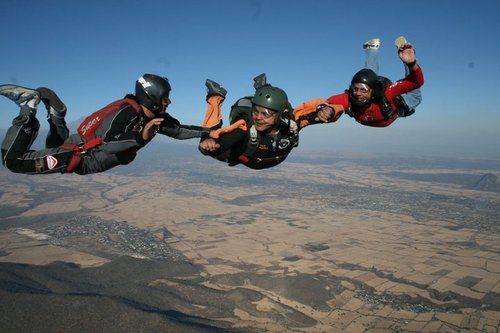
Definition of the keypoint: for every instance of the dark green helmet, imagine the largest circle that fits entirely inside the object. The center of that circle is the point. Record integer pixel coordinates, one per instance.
(271, 97)
(275, 99)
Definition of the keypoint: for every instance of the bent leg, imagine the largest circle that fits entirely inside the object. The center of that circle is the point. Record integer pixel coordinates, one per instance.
(56, 111)
(53, 160)
(413, 98)
(371, 54)
(20, 136)
(16, 153)
(58, 132)
(213, 116)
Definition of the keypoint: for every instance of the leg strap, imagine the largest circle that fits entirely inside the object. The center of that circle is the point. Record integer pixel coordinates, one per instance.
(79, 151)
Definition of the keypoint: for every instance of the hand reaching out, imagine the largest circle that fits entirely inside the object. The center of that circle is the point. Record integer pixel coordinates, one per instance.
(325, 114)
(151, 128)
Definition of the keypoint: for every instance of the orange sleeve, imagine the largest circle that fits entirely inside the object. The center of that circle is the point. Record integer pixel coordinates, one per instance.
(304, 112)
(240, 124)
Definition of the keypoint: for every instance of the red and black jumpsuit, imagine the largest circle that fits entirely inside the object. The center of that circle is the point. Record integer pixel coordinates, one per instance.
(373, 115)
(121, 134)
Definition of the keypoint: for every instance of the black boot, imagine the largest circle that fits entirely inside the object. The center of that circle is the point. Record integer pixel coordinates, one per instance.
(54, 105)
(214, 89)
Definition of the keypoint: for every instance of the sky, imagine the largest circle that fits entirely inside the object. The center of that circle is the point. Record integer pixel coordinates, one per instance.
(91, 53)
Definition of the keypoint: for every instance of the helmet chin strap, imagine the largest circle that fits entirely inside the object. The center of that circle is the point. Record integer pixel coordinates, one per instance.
(359, 103)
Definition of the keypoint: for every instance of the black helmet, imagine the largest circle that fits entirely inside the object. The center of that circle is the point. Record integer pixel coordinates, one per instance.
(151, 90)
(366, 76)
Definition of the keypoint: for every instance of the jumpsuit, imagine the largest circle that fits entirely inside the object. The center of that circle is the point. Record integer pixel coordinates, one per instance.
(121, 139)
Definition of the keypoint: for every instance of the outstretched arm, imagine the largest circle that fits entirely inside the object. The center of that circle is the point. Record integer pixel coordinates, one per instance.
(183, 132)
(414, 79)
(173, 128)
(316, 111)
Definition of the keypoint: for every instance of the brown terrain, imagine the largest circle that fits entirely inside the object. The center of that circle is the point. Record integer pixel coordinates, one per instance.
(332, 244)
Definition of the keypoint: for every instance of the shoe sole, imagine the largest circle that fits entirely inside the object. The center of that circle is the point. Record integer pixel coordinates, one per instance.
(13, 89)
(50, 99)
(372, 44)
(215, 89)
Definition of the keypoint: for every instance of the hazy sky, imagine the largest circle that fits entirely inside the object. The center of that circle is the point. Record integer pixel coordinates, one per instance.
(91, 52)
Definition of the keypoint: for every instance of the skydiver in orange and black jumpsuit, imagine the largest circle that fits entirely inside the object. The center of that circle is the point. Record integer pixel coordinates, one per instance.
(264, 128)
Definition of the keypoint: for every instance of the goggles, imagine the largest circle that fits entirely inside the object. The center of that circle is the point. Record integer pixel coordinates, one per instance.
(265, 113)
(362, 88)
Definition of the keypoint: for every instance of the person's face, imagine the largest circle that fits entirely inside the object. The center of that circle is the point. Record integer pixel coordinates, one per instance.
(263, 118)
(361, 92)
(165, 102)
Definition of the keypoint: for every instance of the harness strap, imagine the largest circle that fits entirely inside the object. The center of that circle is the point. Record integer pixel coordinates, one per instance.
(79, 152)
(91, 144)
(246, 159)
